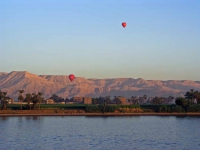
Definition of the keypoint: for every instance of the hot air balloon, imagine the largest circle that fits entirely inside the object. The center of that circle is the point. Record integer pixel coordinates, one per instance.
(71, 77)
(124, 24)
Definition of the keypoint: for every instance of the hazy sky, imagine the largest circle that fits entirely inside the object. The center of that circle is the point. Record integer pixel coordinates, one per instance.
(85, 37)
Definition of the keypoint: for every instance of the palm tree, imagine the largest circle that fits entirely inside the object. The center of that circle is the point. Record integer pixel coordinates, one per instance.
(34, 100)
(67, 100)
(134, 100)
(4, 99)
(39, 97)
(197, 96)
(182, 102)
(116, 100)
(29, 99)
(190, 95)
(145, 98)
(2, 95)
(21, 97)
(157, 100)
(107, 100)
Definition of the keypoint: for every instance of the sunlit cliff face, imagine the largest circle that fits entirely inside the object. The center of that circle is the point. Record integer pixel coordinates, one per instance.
(62, 86)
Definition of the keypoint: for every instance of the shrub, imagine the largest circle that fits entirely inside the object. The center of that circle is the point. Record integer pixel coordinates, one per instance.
(110, 108)
(178, 109)
(170, 108)
(194, 108)
(92, 109)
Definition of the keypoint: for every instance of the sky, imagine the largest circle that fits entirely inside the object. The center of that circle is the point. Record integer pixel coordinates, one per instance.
(58, 37)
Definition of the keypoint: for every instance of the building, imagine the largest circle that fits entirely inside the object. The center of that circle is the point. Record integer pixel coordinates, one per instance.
(50, 101)
(123, 100)
(17, 103)
(69, 103)
(81, 100)
(87, 100)
(61, 102)
(10, 101)
(77, 99)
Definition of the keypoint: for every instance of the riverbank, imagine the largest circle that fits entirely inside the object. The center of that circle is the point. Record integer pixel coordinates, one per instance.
(106, 114)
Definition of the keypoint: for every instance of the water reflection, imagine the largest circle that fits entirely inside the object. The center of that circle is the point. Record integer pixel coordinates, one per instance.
(181, 117)
(102, 132)
(4, 118)
(188, 117)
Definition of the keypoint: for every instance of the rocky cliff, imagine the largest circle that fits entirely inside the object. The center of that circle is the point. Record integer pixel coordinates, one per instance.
(61, 85)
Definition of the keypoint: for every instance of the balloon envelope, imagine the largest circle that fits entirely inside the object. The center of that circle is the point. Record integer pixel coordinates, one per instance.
(71, 77)
(124, 24)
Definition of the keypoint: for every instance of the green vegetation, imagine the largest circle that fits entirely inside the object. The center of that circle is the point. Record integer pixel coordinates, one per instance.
(194, 108)
(170, 109)
(48, 106)
(57, 98)
(189, 103)
(111, 108)
(4, 99)
(21, 97)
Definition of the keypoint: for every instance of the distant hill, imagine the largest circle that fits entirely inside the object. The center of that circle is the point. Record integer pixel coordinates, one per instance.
(61, 85)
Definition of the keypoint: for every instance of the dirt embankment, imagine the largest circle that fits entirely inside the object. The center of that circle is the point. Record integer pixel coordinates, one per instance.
(82, 113)
(40, 111)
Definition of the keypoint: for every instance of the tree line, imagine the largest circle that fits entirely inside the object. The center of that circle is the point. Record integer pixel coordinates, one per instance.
(32, 99)
(190, 101)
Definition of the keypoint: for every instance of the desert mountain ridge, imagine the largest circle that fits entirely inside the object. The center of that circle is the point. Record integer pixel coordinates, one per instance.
(62, 86)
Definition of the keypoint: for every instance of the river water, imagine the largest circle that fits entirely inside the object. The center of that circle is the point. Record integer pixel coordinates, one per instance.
(100, 133)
